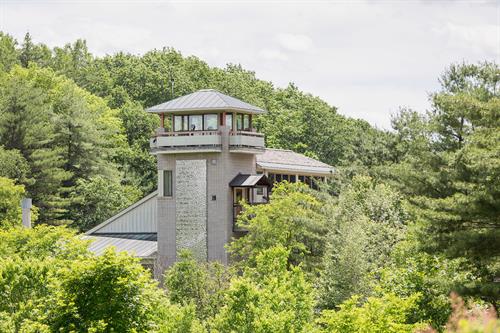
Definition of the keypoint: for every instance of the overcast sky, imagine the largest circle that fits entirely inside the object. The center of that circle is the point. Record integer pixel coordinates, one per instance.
(367, 58)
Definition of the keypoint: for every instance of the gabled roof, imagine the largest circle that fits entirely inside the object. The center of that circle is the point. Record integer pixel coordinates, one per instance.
(290, 161)
(242, 180)
(130, 219)
(204, 100)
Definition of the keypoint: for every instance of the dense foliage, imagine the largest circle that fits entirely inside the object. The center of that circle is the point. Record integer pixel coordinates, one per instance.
(111, 133)
(410, 215)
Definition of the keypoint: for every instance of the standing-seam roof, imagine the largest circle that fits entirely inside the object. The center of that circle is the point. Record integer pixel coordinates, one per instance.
(205, 99)
(290, 161)
(138, 248)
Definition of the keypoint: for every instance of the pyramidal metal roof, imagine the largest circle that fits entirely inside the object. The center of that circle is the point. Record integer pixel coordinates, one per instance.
(205, 99)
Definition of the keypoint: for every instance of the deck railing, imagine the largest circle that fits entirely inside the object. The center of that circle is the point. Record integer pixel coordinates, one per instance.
(246, 133)
(188, 133)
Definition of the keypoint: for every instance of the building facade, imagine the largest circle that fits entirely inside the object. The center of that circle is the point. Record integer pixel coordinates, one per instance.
(210, 158)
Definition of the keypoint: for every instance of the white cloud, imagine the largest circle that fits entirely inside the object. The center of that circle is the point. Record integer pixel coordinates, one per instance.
(272, 54)
(294, 42)
(483, 38)
(367, 58)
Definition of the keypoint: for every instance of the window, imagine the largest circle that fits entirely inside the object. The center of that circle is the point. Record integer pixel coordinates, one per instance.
(210, 122)
(229, 121)
(292, 179)
(260, 191)
(167, 183)
(178, 123)
(246, 122)
(195, 123)
(239, 122)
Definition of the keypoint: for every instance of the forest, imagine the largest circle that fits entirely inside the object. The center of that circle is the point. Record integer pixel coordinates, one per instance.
(404, 238)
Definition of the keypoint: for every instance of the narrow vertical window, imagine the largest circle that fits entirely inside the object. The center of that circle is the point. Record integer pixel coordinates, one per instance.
(178, 123)
(246, 122)
(229, 121)
(239, 122)
(167, 183)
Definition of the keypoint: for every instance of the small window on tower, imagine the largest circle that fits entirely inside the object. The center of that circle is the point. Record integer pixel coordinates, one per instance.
(167, 183)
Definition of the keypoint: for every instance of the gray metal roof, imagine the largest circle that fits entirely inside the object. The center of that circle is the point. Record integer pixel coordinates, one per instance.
(151, 236)
(242, 180)
(290, 161)
(138, 248)
(139, 217)
(204, 100)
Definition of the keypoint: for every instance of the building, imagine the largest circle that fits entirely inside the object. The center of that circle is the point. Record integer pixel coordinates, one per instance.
(210, 158)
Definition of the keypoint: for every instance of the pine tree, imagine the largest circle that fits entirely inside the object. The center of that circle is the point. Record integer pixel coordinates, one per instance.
(454, 177)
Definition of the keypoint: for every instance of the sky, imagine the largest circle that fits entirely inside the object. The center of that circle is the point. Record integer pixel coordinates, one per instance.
(367, 58)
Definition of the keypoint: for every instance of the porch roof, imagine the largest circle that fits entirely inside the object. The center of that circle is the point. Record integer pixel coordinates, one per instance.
(245, 180)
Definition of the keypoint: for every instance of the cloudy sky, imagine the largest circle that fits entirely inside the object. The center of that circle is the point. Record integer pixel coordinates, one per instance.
(368, 58)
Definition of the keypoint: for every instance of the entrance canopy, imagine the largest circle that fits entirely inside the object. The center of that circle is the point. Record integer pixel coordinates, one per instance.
(243, 180)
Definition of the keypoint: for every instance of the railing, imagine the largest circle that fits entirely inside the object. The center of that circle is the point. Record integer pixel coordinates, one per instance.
(245, 139)
(187, 140)
(246, 133)
(188, 133)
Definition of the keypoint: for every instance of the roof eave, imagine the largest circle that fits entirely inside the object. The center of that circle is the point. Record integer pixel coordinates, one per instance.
(191, 110)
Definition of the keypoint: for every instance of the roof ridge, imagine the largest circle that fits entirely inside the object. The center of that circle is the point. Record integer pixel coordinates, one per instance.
(218, 93)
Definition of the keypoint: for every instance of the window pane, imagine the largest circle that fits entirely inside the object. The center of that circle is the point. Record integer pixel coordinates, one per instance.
(292, 179)
(178, 123)
(195, 123)
(229, 121)
(246, 122)
(302, 178)
(210, 122)
(278, 177)
(167, 183)
(239, 122)
(185, 125)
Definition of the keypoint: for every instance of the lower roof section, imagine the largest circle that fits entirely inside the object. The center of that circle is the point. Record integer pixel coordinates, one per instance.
(135, 247)
(150, 236)
(287, 161)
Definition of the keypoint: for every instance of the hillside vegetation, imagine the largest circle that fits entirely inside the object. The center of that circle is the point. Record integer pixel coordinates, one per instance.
(411, 216)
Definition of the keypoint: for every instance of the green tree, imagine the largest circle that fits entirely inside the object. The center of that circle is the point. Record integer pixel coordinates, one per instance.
(453, 180)
(202, 284)
(28, 258)
(39, 54)
(10, 204)
(13, 165)
(97, 199)
(64, 133)
(295, 218)
(139, 165)
(268, 298)
(50, 282)
(117, 278)
(369, 221)
(433, 277)
(388, 314)
(8, 52)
